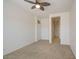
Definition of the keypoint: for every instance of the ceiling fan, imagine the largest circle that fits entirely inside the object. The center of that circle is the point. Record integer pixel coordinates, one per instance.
(38, 4)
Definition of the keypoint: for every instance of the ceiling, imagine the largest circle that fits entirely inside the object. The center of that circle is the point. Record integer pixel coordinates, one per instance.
(55, 7)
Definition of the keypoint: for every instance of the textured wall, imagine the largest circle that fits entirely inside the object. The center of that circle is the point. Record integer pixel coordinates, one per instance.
(19, 27)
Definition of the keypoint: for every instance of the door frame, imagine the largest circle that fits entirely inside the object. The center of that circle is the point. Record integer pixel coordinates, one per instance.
(36, 29)
(50, 28)
(37, 22)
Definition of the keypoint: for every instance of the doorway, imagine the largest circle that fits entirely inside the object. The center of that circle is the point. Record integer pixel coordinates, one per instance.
(55, 28)
(37, 29)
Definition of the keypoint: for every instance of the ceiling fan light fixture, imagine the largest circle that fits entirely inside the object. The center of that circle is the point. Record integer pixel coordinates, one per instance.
(37, 6)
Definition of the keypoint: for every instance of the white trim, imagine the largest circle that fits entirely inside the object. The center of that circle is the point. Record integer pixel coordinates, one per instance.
(50, 30)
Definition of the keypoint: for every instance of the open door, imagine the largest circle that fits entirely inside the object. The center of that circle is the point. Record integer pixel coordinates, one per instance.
(55, 29)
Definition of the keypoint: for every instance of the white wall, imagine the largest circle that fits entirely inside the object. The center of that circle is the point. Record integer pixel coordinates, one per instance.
(44, 28)
(64, 27)
(73, 28)
(19, 27)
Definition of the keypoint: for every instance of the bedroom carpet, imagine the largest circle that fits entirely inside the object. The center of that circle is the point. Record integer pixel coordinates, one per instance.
(42, 50)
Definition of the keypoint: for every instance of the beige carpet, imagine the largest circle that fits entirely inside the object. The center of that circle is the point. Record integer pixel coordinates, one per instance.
(42, 50)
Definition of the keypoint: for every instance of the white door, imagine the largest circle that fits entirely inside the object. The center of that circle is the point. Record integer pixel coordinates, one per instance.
(37, 29)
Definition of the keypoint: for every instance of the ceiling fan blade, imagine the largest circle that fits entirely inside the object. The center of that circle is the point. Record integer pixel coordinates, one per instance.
(45, 4)
(36, 1)
(33, 7)
(42, 8)
(30, 1)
